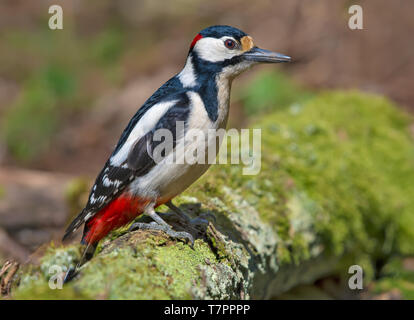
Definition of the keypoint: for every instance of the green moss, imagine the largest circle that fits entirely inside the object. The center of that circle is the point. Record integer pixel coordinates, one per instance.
(34, 279)
(150, 269)
(38, 290)
(352, 156)
(124, 273)
(63, 257)
(170, 261)
(142, 268)
(344, 163)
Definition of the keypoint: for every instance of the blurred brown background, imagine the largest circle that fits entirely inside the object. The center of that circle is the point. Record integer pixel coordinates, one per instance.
(66, 95)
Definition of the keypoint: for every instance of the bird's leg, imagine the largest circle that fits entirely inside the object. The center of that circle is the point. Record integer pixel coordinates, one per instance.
(178, 211)
(185, 217)
(160, 224)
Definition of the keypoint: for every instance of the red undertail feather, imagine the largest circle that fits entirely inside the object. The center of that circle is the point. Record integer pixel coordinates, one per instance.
(115, 215)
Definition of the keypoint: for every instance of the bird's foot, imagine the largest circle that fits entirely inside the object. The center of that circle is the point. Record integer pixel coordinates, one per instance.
(196, 222)
(206, 215)
(199, 222)
(163, 227)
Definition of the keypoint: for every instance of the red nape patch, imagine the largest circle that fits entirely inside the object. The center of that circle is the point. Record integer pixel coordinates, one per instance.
(115, 215)
(196, 38)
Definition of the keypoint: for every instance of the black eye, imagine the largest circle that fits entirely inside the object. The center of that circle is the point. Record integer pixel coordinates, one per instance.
(230, 44)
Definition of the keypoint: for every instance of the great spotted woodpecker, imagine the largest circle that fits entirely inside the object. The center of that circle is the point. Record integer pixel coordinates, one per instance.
(131, 182)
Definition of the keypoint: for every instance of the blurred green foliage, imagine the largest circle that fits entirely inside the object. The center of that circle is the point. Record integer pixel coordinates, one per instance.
(76, 194)
(31, 121)
(108, 47)
(2, 191)
(395, 276)
(271, 91)
(60, 74)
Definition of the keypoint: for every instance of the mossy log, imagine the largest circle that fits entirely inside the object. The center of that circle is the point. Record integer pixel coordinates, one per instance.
(335, 188)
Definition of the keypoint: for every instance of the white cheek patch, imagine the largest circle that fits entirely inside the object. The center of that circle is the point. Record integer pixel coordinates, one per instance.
(144, 125)
(213, 50)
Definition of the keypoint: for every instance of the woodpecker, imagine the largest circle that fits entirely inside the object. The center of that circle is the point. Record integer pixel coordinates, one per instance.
(131, 182)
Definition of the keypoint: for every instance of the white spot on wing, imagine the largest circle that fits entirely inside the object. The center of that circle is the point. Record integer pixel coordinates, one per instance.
(106, 182)
(87, 216)
(109, 183)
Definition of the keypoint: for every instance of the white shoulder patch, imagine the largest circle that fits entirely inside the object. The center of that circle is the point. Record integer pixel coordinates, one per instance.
(198, 118)
(187, 75)
(143, 126)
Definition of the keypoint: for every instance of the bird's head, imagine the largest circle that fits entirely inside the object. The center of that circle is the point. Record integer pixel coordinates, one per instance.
(228, 50)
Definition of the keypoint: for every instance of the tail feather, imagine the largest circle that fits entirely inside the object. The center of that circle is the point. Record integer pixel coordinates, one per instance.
(74, 226)
(86, 256)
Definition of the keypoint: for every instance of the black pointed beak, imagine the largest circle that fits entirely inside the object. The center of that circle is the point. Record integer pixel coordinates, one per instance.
(261, 55)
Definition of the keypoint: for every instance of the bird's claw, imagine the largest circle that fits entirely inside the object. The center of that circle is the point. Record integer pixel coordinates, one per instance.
(199, 223)
(181, 235)
(207, 215)
(144, 226)
(171, 216)
(167, 230)
(201, 220)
